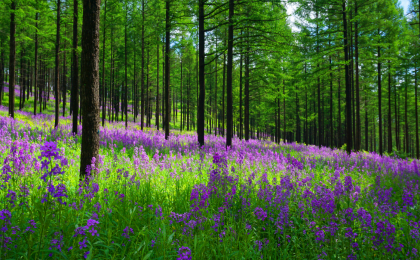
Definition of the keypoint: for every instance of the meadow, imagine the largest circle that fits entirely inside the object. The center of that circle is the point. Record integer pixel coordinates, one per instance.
(152, 198)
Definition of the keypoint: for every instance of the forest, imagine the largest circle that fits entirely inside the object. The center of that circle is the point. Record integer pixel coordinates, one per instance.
(209, 129)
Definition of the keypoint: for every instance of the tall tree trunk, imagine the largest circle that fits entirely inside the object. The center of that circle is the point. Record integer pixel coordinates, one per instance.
(142, 62)
(356, 49)
(75, 70)
(12, 60)
(406, 115)
(201, 73)
(125, 65)
(389, 110)
(380, 100)
(416, 115)
(167, 69)
(320, 134)
(64, 79)
(90, 83)
(103, 70)
(2, 69)
(223, 94)
(240, 96)
(246, 108)
(298, 135)
(215, 92)
(163, 87)
(229, 76)
(348, 86)
(157, 85)
(284, 112)
(57, 66)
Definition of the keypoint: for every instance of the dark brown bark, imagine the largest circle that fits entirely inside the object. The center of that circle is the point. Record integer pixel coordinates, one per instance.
(320, 133)
(380, 99)
(75, 70)
(389, 110)
(201, 73)
(416, 115)
(125, 65)
(12, 60)
(2, 71)
(90, 83)
(215, 92)
(142, 66)
(167, 69)
(229, 78)
(103, 70)
(349, 140)
(358, 140)
(246, 108)
(223, 94)
(157, 86)
(406, 144)
(57, 67)
(64, 77)
(366, 125)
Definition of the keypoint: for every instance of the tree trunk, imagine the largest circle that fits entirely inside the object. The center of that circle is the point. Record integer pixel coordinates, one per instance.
(223, 94)
(157, 85)
(416, 115)
(380, 100)
(201, 73)
(142, 63)
(125, 63)
(75, 72)
(2, 68)
(57, 68)
(240, 96)
(389, 110)
(167, 69)
(103, 70)
(358, 140)
(366, 126)
(229, 76)
(90, 84)
(64, 91)
(246, 108)
(348, 86)
(12, 60)
(406, 115)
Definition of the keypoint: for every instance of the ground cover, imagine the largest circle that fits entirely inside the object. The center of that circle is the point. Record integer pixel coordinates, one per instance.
(152, 198)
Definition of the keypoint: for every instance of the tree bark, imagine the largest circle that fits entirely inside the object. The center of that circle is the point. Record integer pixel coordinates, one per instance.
(75, 72)
(142, 63)
(348, 86)
(12, 60)
(57, 67)
(167, 69)
(125, 65)
(229, 76)
(90, 84)
(2, 70)
(416, 115)
(103, 70)
(358, 125)
(246, 108)
(380, 100)
(201, 73)
(389, 110)
(157, 86)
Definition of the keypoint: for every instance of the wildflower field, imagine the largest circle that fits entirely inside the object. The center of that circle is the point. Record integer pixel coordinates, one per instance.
(152, 198)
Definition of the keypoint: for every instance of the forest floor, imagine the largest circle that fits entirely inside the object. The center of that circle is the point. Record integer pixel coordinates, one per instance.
(151, 198)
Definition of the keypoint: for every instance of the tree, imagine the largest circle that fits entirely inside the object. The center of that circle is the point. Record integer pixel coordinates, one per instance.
(12, 60)
(90, 84)
(75, 70)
